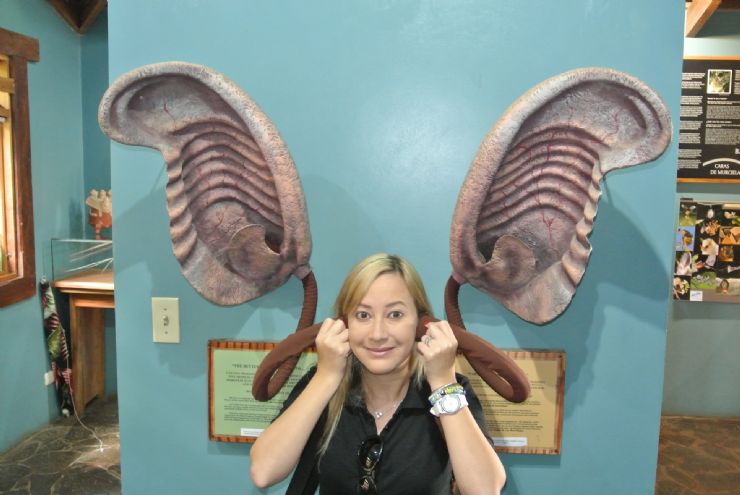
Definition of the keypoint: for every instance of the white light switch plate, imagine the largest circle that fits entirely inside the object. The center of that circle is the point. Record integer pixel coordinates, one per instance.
(166, 320)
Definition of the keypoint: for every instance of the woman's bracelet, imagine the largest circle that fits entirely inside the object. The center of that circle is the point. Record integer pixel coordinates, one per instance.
(449, 389)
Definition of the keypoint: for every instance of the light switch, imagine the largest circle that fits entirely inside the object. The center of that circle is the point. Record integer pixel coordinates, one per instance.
(166, 319)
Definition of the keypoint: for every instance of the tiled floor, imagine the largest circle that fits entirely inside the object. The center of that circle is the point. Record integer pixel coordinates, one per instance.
(697, 456)
(64, 458)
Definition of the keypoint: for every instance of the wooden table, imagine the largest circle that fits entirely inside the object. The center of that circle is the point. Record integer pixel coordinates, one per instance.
(89, 295)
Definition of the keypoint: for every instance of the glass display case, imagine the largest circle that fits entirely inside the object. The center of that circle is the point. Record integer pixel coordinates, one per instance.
(75, 257)
(83, 272)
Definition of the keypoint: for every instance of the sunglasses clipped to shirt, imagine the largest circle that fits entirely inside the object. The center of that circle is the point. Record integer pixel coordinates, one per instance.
(368, 458)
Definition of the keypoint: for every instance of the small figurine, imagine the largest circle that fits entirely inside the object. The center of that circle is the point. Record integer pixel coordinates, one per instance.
(99, 216)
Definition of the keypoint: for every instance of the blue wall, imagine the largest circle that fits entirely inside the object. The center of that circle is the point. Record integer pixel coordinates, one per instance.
(94, 59)
(383, 105)
(56, 153)
(703, 339)
(96, 149)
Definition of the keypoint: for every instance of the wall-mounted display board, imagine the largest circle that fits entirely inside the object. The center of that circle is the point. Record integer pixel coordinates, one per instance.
(233, 414)
(709, 138)
(534, 426)
(707, 246)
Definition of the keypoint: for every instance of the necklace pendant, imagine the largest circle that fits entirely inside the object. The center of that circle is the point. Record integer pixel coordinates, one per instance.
(378, 414)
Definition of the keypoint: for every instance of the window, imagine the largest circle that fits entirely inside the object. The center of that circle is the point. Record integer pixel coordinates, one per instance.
(17, 255)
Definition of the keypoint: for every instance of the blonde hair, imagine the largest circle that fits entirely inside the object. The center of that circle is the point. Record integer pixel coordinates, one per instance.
(355, 286)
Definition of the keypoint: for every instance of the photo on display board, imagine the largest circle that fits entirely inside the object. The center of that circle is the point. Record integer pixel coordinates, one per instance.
(726, 253)
(719, 82)
(685, 264)
(729, 235)
(685, 238)
(681, 287)
(688, 215)
(728, 286)
(707, 245)
(704, 280)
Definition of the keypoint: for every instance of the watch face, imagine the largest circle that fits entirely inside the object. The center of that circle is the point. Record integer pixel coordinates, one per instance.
(450, 403)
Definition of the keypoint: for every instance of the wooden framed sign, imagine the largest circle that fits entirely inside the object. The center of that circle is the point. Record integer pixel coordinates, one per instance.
(533, 427)
(233, 414)
(709, 138)
(536, 425)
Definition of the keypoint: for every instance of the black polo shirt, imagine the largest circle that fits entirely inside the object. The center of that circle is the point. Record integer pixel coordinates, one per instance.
(414, 459)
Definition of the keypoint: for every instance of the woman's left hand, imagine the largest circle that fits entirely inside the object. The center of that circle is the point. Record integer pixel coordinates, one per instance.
(438, 348)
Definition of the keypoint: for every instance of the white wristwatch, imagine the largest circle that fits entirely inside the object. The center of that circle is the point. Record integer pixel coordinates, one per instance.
(449, 404)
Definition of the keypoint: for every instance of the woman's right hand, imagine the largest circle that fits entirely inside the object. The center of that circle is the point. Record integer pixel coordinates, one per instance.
(278, 449)
(332, 344)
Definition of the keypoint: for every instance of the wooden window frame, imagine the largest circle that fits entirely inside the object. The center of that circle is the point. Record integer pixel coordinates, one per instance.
(20, 282)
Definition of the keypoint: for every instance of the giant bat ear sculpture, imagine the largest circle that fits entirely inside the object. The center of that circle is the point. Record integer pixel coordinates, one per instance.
(521, 225)
(237, 215)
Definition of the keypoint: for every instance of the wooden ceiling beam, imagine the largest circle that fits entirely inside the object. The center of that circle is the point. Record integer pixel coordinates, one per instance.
(698, 13)
(79, 14)
(90, 12)
(67, 11)
(724, 4)
(729, 5)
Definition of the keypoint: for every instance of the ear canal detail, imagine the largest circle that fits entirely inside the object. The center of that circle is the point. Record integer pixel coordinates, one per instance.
(249, 254)
(238, 219)
(525, 211)
(512, 262)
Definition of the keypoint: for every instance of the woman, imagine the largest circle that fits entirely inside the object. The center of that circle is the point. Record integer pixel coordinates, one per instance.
(360, 421)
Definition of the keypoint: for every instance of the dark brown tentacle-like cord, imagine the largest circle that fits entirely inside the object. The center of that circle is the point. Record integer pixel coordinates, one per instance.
(452, 308)
(288, 349)
(495, 368)
(268, 382)
(310, 299)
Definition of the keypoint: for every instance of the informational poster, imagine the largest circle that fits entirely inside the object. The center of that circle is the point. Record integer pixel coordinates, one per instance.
(707, 245)
(709, 138)
(536, 425)
(233, 414)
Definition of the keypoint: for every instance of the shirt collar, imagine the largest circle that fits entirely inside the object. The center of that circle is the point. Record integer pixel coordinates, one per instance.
(416, 397)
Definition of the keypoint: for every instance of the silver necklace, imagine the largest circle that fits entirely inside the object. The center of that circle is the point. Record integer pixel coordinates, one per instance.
(381, 412)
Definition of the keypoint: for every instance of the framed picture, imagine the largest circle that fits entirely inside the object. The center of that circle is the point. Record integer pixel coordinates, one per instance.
(536, 425)
(233, 414)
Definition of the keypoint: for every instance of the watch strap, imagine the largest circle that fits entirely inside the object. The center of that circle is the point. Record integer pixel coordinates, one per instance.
(449, 404)
(450, 388)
